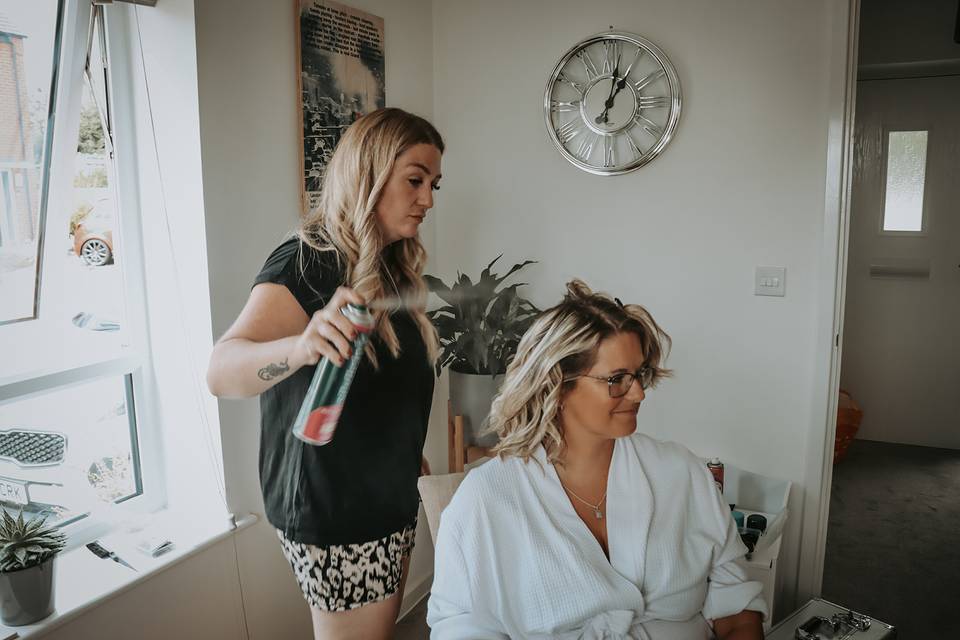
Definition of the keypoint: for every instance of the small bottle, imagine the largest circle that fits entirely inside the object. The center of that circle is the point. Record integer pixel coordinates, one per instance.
(738, 518)
(321, 408)
(716, 468)
(757, 521)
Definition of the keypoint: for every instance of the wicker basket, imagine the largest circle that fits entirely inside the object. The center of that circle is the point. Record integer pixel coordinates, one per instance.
(849, 416)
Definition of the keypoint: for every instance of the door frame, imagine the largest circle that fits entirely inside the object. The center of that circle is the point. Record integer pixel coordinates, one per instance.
(844, 21)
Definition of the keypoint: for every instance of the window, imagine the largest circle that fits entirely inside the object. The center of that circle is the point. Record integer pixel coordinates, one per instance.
(906, 170)
(74, 355)
(70, 451)
(28, 45)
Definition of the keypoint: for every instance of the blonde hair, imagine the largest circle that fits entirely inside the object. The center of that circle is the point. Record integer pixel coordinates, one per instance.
(563, 342)
(344, 220)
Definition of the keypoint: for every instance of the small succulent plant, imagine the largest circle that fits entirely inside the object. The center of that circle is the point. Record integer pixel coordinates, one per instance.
(27, 543)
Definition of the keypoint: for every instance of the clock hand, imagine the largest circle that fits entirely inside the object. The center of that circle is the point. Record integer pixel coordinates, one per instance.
(619, 85)
(616, 70)
(608, 103)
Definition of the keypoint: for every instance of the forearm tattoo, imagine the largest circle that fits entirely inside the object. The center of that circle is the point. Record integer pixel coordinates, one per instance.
(274, 370)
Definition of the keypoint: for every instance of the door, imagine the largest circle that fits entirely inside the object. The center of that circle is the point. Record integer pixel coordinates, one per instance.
(901, 357)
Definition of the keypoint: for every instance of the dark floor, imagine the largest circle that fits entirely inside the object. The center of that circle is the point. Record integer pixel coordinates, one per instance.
(893, 541)
(413, 626)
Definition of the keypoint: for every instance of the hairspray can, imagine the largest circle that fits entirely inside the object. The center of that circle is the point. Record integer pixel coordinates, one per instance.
(320, 411)
(716, 468)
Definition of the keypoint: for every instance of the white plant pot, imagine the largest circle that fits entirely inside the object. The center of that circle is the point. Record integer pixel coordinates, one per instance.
(470, 397)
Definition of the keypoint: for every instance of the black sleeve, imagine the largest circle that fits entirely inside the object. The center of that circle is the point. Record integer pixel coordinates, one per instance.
(312, 280)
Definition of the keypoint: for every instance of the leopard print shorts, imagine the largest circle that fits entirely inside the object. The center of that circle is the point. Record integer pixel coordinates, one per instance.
(341, 577)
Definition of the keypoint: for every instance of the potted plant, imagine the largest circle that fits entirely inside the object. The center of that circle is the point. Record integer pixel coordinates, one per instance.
(27, 552)
(479, 329)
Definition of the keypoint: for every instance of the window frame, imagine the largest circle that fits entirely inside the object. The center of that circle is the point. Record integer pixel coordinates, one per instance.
(56, 87)
(75, 25)
(924, 213)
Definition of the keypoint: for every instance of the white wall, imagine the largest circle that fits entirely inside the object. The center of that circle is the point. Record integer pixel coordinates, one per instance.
(198, 598)
(742, 184)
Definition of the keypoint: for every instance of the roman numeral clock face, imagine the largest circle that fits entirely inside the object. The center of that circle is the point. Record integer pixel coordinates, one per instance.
(612, 103)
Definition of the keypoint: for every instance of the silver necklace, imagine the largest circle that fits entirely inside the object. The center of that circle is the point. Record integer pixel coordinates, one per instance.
(596, 507)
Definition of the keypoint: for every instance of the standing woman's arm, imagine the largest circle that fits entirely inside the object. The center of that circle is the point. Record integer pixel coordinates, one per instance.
(273, 337)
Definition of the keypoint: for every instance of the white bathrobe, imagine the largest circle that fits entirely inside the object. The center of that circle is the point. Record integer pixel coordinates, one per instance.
(514, 560)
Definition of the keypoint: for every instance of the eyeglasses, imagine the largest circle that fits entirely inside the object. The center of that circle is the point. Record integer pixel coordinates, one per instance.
(619, 384)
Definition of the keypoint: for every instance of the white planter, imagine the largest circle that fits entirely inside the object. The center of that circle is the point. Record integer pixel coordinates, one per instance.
(470, 397)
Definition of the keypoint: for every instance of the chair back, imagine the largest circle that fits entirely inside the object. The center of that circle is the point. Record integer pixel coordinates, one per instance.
(436, 493)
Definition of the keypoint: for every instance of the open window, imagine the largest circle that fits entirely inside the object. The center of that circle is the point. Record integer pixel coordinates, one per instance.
(72, 314)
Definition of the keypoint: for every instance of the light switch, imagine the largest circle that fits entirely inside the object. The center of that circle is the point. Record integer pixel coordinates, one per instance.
(770, 281)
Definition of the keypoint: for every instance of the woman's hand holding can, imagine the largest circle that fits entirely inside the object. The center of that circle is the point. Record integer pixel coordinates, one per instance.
(329, 333)
(323, 402)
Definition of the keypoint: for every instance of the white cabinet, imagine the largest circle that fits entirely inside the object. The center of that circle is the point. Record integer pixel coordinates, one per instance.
(754, 493)
(762, 567)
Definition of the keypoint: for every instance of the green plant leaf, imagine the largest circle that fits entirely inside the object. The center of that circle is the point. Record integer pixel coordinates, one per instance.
(478, 329)
(446, 326)
(26, 542)
(435, 285)
(471, 347)
(516, 268)
(495, 365)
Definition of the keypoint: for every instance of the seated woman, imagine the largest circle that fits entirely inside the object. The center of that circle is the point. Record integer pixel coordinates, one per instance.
(581, 527)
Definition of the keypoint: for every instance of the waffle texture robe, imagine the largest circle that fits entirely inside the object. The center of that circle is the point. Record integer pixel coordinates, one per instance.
(514, 560)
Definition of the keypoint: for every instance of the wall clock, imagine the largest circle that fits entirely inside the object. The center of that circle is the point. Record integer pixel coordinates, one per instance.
(612, 103)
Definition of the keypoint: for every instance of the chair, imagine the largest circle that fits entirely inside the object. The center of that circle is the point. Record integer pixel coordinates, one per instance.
(460, 455)
(436, 493)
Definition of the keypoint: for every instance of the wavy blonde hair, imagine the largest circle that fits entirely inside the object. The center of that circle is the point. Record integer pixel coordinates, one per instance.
(563, 342)
(344, 220)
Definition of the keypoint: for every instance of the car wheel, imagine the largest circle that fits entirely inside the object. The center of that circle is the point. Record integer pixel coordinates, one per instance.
(95, 252)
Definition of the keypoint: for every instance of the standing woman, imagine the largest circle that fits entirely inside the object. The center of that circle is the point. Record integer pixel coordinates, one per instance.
(346, 512)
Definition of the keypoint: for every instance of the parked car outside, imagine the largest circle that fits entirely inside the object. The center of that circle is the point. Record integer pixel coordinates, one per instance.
(94, 246)
(91, 226)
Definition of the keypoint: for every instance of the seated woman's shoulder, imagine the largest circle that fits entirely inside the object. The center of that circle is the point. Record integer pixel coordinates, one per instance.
(666, 452)
(488, 486)
(489, 480)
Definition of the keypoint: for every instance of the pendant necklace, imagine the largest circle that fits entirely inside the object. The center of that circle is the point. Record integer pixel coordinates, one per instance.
(596, 507)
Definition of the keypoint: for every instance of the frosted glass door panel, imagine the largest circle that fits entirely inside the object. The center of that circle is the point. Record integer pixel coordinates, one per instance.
(906, 171)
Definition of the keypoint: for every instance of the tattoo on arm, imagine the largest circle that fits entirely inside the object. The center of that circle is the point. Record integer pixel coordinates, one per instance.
(274, 370)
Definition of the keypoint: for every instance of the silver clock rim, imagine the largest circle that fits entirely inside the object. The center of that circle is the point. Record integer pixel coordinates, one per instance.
(673, 81)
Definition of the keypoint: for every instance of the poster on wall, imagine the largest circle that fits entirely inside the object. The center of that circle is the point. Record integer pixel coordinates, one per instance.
(341, 66)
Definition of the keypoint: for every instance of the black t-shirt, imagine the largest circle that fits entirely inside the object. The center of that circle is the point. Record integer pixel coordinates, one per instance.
(363, 484)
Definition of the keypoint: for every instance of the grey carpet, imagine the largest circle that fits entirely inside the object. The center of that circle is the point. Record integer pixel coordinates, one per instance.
(893, 540)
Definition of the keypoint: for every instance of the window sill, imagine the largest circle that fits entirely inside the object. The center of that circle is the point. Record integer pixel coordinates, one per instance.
(84, 581)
